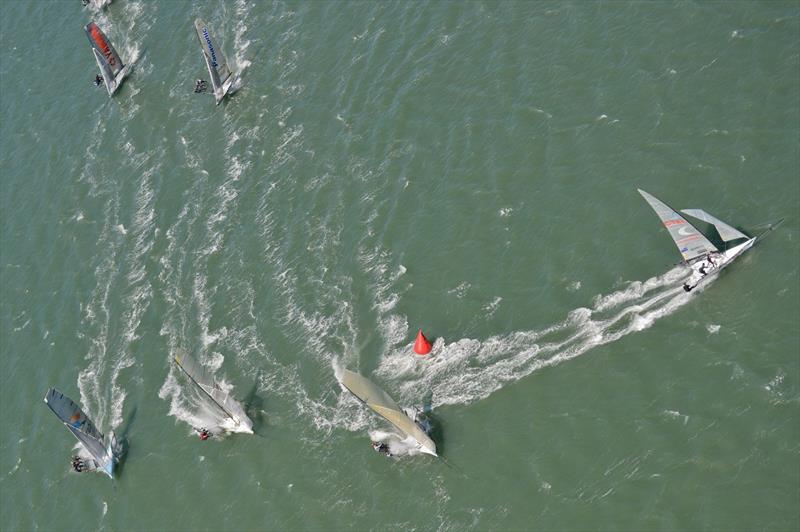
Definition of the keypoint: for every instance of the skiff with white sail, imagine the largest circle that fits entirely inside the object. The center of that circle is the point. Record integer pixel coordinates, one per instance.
(380, 402)
(104, 451)
(221, 77)
(698, 252)
(219, 397)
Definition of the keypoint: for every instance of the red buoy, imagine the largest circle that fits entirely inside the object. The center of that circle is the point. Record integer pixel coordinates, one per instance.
(422, 346)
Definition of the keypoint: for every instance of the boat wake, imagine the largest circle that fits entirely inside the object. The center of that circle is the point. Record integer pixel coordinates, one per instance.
(468, 370)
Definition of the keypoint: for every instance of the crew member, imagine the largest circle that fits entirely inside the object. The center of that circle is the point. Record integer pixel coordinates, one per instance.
(77, 464)
(382, 448)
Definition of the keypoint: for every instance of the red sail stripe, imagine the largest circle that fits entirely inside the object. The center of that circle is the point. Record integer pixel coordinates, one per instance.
(101, 42)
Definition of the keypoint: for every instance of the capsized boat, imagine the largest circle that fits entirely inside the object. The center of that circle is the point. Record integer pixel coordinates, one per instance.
(219, 397)
(111, 66)
(221, 77)
(698, 252)
(380, 402)
(104, 451)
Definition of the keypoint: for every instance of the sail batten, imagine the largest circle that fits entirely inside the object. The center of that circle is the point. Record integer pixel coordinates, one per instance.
(690, 241)
(382, 404)
(726, 232)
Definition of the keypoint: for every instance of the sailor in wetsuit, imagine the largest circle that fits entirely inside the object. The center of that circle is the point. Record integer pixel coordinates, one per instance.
(382, 448)
(98, 80)
(204, 434)
(706, 267)
(200, 86)
(77, 464)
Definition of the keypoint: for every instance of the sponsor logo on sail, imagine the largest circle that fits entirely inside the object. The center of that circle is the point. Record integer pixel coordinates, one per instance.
(75, 421)
(210, 47)
(97, 35)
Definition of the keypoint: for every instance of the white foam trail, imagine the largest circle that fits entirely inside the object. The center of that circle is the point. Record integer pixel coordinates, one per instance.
(240, 43)
(101, 394)
(203, 216)
(468, 369)
(386, 289)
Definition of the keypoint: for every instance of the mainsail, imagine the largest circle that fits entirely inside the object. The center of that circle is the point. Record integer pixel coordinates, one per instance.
(106, 56)
(215, 61)
(82, 428)
(380, 402)
(691, 242)
(198, 374)
(725, 231)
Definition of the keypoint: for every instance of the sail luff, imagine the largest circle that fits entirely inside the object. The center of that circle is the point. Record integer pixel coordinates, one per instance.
(690, 241)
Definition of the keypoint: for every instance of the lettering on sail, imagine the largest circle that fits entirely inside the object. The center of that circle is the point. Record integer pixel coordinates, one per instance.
(103, 45)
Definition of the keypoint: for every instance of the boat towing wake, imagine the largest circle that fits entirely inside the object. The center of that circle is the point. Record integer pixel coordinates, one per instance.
(468, 369)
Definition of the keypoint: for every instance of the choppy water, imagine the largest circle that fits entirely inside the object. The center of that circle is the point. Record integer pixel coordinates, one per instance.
(467, 168)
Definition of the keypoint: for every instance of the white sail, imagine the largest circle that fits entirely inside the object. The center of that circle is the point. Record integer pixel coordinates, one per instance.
(198, 374)
(221, 78)
(111, 66)
(691, 242)
(725, 231)
(83, 429)
(381, 403)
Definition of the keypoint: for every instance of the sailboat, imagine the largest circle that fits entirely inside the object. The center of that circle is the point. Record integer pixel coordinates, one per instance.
(380, 402)
(221, 399)
(698, 252)
(111, 66)
(104, 451)
(221, 77)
